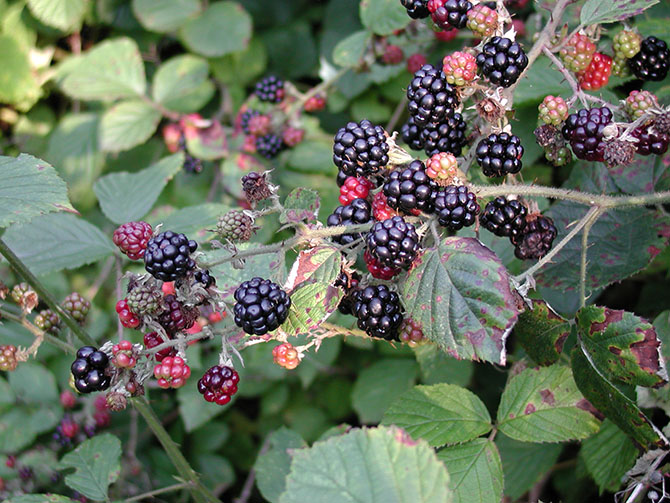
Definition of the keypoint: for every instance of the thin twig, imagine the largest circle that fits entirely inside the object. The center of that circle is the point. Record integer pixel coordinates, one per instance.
(576, 90)
(251, 478)
(104, 274)
(119, 296)
(397, 113)
(156, 492)
(583, 262)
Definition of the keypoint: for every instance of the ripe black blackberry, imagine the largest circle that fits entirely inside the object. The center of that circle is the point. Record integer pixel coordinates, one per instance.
(341, 177)
(449, 13)
(393, 242)
(431, 97)
(649, 142)
(416, 9)
(246, 116)
(204, 277)
(536, 239)
(410, 188)
(89, 370)
(653, 60)
(269, 145)
(447, 136)
(176, 316)
(378, 311)
(411, 135)
(349, 284)
(584, 131)
(502, 61)
(500, 154)
(167, 256)
(358, 211)
(261, 306)
(456, 207)
(270, 89)
(360, 149)
(505, 218)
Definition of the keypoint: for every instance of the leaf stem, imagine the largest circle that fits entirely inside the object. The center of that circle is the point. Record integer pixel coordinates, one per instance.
(156, 492)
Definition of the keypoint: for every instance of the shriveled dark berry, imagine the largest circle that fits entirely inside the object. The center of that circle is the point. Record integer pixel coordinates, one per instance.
(410, 189)
(536, 239)
(456, 207)
(360, 149)
(261, 306)
(358, 211)
(255, 187)
(394, 242)
(378, 311)
(502, 61)
(500, 154)
(431, 97)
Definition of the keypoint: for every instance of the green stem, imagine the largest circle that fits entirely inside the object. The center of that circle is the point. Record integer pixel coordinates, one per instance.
(156, 492)
(44, 294)
(583, 263)
(38, 332)
(200, 493)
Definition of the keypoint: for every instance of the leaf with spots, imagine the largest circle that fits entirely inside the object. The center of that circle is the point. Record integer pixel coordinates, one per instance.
(544, 405)
(623, 346)
(460, 294)
(611, 11)
(300, 205)
(96, 464)
(615, 406)
(206, 139)
(542, 333)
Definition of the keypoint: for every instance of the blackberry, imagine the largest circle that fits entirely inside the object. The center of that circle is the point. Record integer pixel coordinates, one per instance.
(456, 207)
(246, 116)
(536, 239)
(167, 256)
(431, 97)
(500, 154)
(285, 355)
(132, 238)
(341, 177)
(256, 187)
(219, 384)
(505, 218)
(152, 339)
(502, 61)
(358, 211)
(662, 123)
(584, 131)
(269, 145)
(205, 278)
(378, 311)
(349, 284)
(354, 188)
(89, 370)
(449, 13)
(653, 60)
(360, 148)
(393, 242)
(270, 89)
(649, 143)
(411, 134)
(447, 136)
(77, 306)
(410, 189)
(618, 153)
(176, 316)
(416, 9)
(236, 226)
(261, 306)
(48, 321)
(144, 299)
(377, 270)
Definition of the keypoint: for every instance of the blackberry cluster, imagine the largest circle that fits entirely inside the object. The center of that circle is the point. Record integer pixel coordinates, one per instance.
(584, 131)
(269, 145)
(48, 321)
(219, 384)
(456, 207)
(449, 13)
(409, 189)
(502, 61)
(431, 97)
(360, 148)
(416, 9)
(649, 142)
(167, 256)
(270, 89)
(89, 370)
(349, 284)
(246, 117)
(411, 134)
(261, 306)
(176, 316)
(358, 211)
(505, 218)
(536, 239)
(653, 60)
(499, 154)
(393, 242)
(446, 136)
(378, 312)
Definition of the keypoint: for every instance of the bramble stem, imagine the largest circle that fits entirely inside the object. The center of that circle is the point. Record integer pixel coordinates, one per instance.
(38, 332)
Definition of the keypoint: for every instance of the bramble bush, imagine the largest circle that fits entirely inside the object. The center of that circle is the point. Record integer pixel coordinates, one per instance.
(388, 251)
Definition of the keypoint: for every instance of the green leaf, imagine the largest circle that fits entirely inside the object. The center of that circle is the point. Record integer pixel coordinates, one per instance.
(273, 466)
(14, 435)
(195, 411)
(440, 414)
(30, 187)
(643, 175)
(437, 366)
(125, 197)
(300, 205)
(18, 85)
(96, 464)
(162, 16)
(312, 157)
(349, 51)
(181, 84)
(608, 455)
(34, 384)
(7, 396)
(376, 465)
(241, 67)
(622, 346)
(193, 219)
(206, 142)
(383, 17)
(544, 405)
(475, 471)
(225, 27)
(66, 15)
(607, 399)
(127, 124)
(525, 463)
(378, 386)
(541, 79)
(66, 242)
(611, 11)
(40, 498)
(460, 294)
(112, 69)
(542, 333)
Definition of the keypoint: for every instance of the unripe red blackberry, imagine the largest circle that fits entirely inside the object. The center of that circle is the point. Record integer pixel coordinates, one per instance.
(172, 372)
(354, 188)
(292, 136)
(597, 74)
(77, 306)
(152, 339)
(132, 238)
(123, 355)
(553, 110)
(411, 332)
(638, 102)
(459, 68)
(415, 62)
(377, 269)
(380, 208)
(285, 355)
(8, 361)
(578, 52)
(219, 384)
(442, 167)
(315, 103)
(126, 316)
(536, 239)
(48, 321)
(482, 20)
(393, 55)
(259, 125)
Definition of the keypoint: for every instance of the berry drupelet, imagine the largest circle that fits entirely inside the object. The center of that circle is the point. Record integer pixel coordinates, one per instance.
(89, 370)
(394, 242)
(431, 97)
(584, 131)
(411, 134)
(505, 218)
(167, 256)
(358, 211)
(270, 89)
(447, 136)
(410, 189)
(219, 384)
(653, 60)
(354, 188)
(377, 270)
(650, 142)
(77, 306)
(502, 61)
(360, 149)
(261, 306)
(378, 311)
(499, 154)
(152, 339)
(456, 207)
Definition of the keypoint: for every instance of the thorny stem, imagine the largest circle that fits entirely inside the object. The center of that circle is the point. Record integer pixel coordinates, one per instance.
(568, 76)
(176, 342)
(585, 245)
(37, 332)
